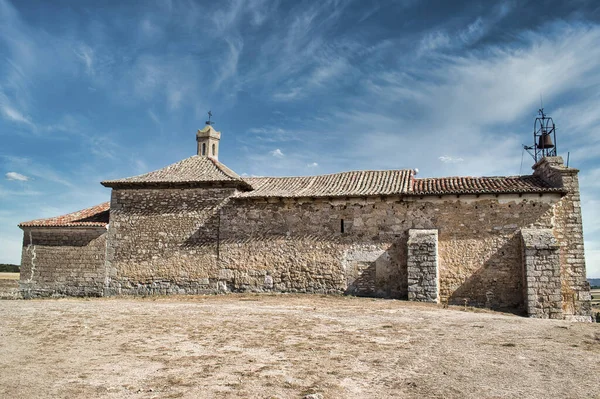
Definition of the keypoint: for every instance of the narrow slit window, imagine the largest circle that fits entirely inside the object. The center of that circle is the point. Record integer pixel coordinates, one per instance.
(203, 148)
(213, 150)
(342, 225)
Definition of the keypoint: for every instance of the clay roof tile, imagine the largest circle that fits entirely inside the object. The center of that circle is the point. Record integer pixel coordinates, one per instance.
(193, 170)
(95, 216)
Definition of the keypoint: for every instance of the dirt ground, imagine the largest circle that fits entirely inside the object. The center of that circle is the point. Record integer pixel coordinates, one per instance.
(287, 346)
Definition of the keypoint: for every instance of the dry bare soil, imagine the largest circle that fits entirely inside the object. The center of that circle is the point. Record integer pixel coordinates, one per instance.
(287, 346)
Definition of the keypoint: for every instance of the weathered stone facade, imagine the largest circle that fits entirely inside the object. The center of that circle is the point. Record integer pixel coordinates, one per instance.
(568, 230)
(63, 261)
(163, 241)
(196, 227)
(201, 240)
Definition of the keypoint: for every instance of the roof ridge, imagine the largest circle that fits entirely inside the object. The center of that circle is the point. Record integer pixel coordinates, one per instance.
(195, 169)
(329, 174)
(475, 177)
(223, 168)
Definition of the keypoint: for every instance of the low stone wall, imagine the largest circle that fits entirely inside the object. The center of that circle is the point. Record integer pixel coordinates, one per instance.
(63, 261)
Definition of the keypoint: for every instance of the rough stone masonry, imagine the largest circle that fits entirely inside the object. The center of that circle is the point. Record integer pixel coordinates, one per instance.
(197, 227)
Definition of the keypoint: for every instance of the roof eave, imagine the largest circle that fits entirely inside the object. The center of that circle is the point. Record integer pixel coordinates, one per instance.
(90, 226)
(179, 184)
(562, 192)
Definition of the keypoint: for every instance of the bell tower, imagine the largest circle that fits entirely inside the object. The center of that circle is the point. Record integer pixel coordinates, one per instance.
(208, 140)
(544, 137)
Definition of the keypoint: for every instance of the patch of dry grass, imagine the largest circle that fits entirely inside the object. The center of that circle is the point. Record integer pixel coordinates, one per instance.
(9, 276)
(287, 346)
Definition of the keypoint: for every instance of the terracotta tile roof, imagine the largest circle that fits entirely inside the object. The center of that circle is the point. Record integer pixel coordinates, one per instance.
(96, 216)
(346, 184)
(482, 185)
(195, 169)
(199, 169)
(390, 182)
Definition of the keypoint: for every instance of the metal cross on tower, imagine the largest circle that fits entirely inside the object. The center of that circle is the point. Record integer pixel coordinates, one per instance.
(209, 122)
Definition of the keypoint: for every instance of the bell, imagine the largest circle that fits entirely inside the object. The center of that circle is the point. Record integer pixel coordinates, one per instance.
(545, 141)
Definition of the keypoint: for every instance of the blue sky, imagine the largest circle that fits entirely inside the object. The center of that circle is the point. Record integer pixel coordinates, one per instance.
(98, 90)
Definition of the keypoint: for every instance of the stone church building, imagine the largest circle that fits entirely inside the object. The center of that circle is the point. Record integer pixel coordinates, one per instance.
(197, 227)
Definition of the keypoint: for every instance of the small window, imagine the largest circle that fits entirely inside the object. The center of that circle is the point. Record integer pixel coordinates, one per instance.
(213, 150)
(342, 226)
(203, 148)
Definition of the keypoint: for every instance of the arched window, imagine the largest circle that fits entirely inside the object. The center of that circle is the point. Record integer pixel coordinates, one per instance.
(203, 148)
(213, 150)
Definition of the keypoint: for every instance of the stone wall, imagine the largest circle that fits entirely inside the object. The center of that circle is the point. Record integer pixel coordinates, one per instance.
(568, 229)
(541, 274)
(479, 245)
(422, 266)
(300, 246)
(63, 261)
(164, 240)
(203, 240)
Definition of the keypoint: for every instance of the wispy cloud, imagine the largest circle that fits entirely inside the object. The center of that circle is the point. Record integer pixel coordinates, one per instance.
(277, 153)
(26, 192)
(154, 117)
(32, 168)
(473, 32)
(86, 55)
(13, 115)
(230, 63)
(16, 176)
(433, 41)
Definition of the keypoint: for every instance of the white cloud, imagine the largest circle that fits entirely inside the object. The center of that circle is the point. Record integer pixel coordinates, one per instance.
(174, 97)
(86, 55)
(273, 134)
(149, 29)
(16, 176)
(15, 116)
(288, 95)
(230, 63)
(448, 159)
(473, 32)
(434, 41)
(277, 153)
(312, 165)
(43, 172)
